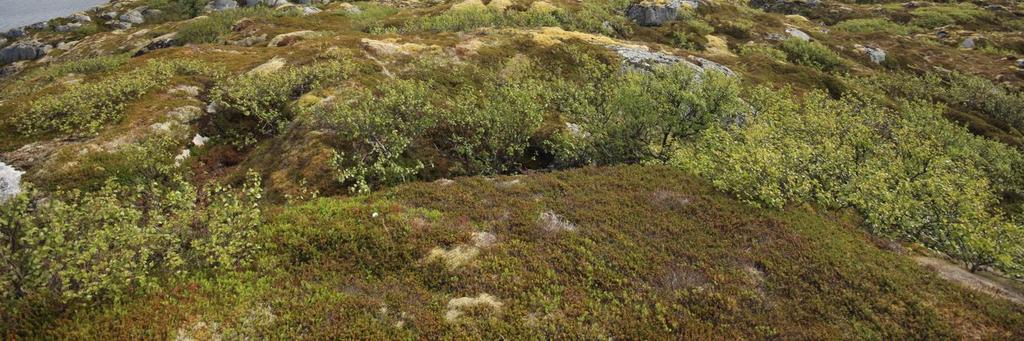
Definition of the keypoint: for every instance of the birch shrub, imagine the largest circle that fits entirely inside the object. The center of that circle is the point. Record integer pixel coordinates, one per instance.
(911, 173)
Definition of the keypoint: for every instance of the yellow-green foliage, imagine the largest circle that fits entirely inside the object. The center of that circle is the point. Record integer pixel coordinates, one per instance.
(911, 173)
(264, 96)
(216, 26)
(873, 25)
(85, 108)
(692, 34)
(751, 50)
(942, 15)
(813, 54)
(88, 247)
(956, 89)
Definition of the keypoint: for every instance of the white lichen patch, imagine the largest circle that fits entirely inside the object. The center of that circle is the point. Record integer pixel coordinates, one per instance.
(457, 306)
(454, 258)
(199, 140)
(484, 240)
(551, 222)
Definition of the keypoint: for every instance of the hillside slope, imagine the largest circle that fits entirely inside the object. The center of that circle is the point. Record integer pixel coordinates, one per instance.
(621, 252)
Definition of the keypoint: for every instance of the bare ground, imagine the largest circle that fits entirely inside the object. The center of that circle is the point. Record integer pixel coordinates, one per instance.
(959, 275)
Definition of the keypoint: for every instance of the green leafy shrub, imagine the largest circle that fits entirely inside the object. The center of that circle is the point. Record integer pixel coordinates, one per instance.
(378, 132)
(490, 128)
(692, 34)
(912, 174)
(642, 116)
(264, 96)
(174, 10)
(217, 25)
(955, 89)
(750, 50)
(813, 54)
(91, 246)
(86, 107)
(873, 25)
(942, 15)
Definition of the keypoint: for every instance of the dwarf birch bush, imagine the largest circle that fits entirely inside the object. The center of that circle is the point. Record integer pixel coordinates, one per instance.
(86, 108)
(265, 96)
(912, 174)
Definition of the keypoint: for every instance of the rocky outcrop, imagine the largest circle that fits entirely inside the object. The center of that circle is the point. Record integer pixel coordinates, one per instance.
(798, 34)
(220, 5)
(161, 42)
(875, 54)
(654, 13)
(645, 60)
(133, 17)
(68, 27)
(23, 51)
(16, 33)
(290, 38)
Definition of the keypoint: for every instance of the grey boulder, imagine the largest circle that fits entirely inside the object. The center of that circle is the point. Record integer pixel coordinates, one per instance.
(23, 51)
(220, 5)
(876, 55)
(16, 33)
(42, 25)
(68, 27)
(646, 13)
(797, 33)
(133, 17)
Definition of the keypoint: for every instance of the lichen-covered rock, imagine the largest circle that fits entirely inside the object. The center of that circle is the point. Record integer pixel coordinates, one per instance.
(290, 38)
(132, 16)
(80, 17)
(876, 55)
(161, 42)
(16, 33)
(42, 25)
(797, 33)
(23, 51)
(120, 25)
(653, 13)
(68, 27)
(220, 5)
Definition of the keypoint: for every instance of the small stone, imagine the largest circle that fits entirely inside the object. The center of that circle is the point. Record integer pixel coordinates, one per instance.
(968, 43)
(484, 240)
(108, 15)
(797, 33)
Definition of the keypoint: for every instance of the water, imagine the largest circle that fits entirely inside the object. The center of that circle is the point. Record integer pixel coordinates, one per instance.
(10, 181)
(16, 13)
